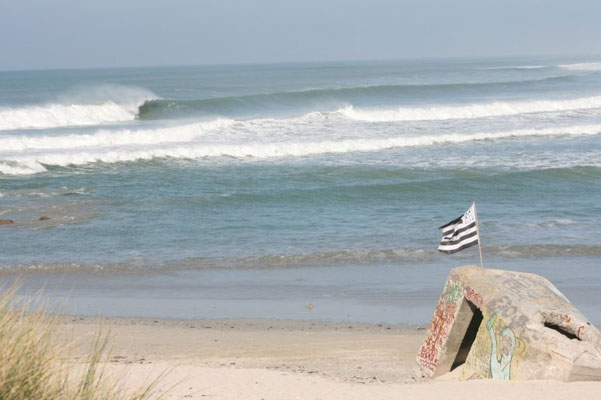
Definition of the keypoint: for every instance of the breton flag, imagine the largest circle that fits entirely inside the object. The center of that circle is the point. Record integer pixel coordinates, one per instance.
(460, 233)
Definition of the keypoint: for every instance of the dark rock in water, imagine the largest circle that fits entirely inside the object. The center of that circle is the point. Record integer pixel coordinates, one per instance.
(44, 218)
(6, 221)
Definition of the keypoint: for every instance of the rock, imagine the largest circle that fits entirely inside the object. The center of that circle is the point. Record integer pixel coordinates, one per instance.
(44, 218)
(6, 221)
(508, 325)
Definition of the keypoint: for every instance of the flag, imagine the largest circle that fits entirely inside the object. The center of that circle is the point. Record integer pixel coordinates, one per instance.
(460, 233)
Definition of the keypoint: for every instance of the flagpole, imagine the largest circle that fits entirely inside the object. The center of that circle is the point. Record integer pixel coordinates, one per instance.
(479, 237)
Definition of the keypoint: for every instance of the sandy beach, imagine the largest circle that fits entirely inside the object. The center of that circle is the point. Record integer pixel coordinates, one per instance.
(316, 200)
(284, 359)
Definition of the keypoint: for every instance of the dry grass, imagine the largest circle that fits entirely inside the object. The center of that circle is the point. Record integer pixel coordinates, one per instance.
(35, 366)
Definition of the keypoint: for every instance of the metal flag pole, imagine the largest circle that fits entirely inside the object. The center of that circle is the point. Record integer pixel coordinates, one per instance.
(478, 232)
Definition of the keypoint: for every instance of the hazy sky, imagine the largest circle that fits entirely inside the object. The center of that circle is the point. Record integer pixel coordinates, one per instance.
(99, 33)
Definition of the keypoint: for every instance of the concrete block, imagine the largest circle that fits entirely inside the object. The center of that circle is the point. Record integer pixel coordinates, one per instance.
(508, 325)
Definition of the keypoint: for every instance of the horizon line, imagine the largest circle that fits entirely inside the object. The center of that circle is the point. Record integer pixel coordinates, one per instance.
(300, 62)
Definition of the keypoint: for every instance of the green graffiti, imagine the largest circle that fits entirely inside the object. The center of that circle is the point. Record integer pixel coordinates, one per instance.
(452, 292)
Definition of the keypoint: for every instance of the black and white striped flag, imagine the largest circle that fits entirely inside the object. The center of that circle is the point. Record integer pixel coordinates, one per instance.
(460, 233)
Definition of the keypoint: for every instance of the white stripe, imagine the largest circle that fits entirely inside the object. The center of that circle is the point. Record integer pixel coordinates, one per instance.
(467, 218)
(461, 235)
(455, 246)
(459, 239)
(464, 222)
(453, 232)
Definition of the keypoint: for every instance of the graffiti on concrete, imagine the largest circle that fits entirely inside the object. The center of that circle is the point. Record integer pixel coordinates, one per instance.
(473, 296)
(497, 351)
(510, 330)
(452, 291)
(508, 311)
(501, 352)
(442, 320)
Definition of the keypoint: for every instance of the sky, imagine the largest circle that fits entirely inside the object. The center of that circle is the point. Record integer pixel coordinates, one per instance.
(44, 34)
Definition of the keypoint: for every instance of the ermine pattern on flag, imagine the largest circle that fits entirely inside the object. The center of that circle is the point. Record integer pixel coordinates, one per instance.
(460, 233)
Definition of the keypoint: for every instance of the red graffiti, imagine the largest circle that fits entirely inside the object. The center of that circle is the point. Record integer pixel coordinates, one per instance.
(473, 296)
(437, 334)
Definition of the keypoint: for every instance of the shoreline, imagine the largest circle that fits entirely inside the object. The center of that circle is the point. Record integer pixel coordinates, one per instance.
(385, 293)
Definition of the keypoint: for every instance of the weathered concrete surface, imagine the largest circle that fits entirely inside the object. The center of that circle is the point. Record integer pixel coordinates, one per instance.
(508, 325)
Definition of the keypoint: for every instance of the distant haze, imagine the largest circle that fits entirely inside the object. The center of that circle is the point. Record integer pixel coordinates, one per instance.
(39, 34)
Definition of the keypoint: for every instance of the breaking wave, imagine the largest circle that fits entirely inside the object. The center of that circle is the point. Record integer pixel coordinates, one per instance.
(92, 106)
(468, 111)
(518, 67)
(107, 138)
(255, 139)
(329, 98)
(590, 66)
(586, 66)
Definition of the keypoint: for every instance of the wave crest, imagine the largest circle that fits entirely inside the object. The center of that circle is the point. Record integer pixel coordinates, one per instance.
(590, 66)
(256, 139)
(107, 138)
(326, 98)
(100, 105)
(469, 111)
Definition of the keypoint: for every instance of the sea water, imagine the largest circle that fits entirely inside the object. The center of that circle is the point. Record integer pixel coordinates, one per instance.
(252, 190)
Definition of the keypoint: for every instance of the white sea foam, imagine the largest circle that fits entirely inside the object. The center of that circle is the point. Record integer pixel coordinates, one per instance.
(469, 111)
(92, 106)
(226, 139)
(107, 138)
(518, 67)
(24, 167)
(590, 66)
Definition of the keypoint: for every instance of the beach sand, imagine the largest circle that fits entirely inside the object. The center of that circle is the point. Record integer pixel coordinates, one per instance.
(285, 359)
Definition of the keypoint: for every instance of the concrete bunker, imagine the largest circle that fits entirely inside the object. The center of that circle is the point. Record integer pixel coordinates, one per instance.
(469, 336)
(508, 325)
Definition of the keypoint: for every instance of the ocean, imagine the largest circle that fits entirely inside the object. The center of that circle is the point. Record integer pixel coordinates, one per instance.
(300, 191)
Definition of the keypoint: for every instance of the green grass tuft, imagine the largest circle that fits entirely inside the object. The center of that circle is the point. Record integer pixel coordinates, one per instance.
(34, 365)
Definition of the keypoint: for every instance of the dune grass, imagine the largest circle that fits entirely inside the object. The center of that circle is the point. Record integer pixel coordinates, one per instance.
(34, 364)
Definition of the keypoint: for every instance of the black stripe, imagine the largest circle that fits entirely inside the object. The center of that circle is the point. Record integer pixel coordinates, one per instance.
(449, 230)
(455, 221)
(458, 239)
(465, 246)
(465, 228)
